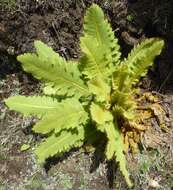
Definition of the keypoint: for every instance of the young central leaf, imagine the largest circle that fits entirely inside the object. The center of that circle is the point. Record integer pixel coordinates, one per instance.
(100, 115)
(99, 88)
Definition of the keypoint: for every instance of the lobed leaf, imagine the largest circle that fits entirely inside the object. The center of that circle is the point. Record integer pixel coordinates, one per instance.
(60, 143)
(64, 77)
(115, 148)
(32, 105)
(142, 57)
(100, 48)
(96, 26)
(93, 61)
(69, 114)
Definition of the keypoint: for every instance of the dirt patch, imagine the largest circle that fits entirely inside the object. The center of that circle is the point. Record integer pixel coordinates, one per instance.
(59, 24)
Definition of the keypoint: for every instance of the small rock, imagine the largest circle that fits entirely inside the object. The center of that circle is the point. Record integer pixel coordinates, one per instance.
(153, 183)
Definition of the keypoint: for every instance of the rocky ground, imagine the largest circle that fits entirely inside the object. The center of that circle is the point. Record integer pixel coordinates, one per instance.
(59, 23)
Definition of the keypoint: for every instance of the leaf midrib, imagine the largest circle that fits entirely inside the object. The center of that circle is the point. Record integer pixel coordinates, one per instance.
(34, 106)
(66, 136)
(56, 78)
(61, 117)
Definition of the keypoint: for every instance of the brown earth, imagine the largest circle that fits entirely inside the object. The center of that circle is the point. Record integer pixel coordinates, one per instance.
(59, 23)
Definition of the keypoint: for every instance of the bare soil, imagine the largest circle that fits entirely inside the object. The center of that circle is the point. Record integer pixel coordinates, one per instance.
(59, 23)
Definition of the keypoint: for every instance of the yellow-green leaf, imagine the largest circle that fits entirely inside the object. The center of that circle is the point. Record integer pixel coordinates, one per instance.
(100, 115)
(60, 143)
(69, 114)
(115, 148)
(25, 147)
(48, 66)
(32, 105)
(100, 88)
